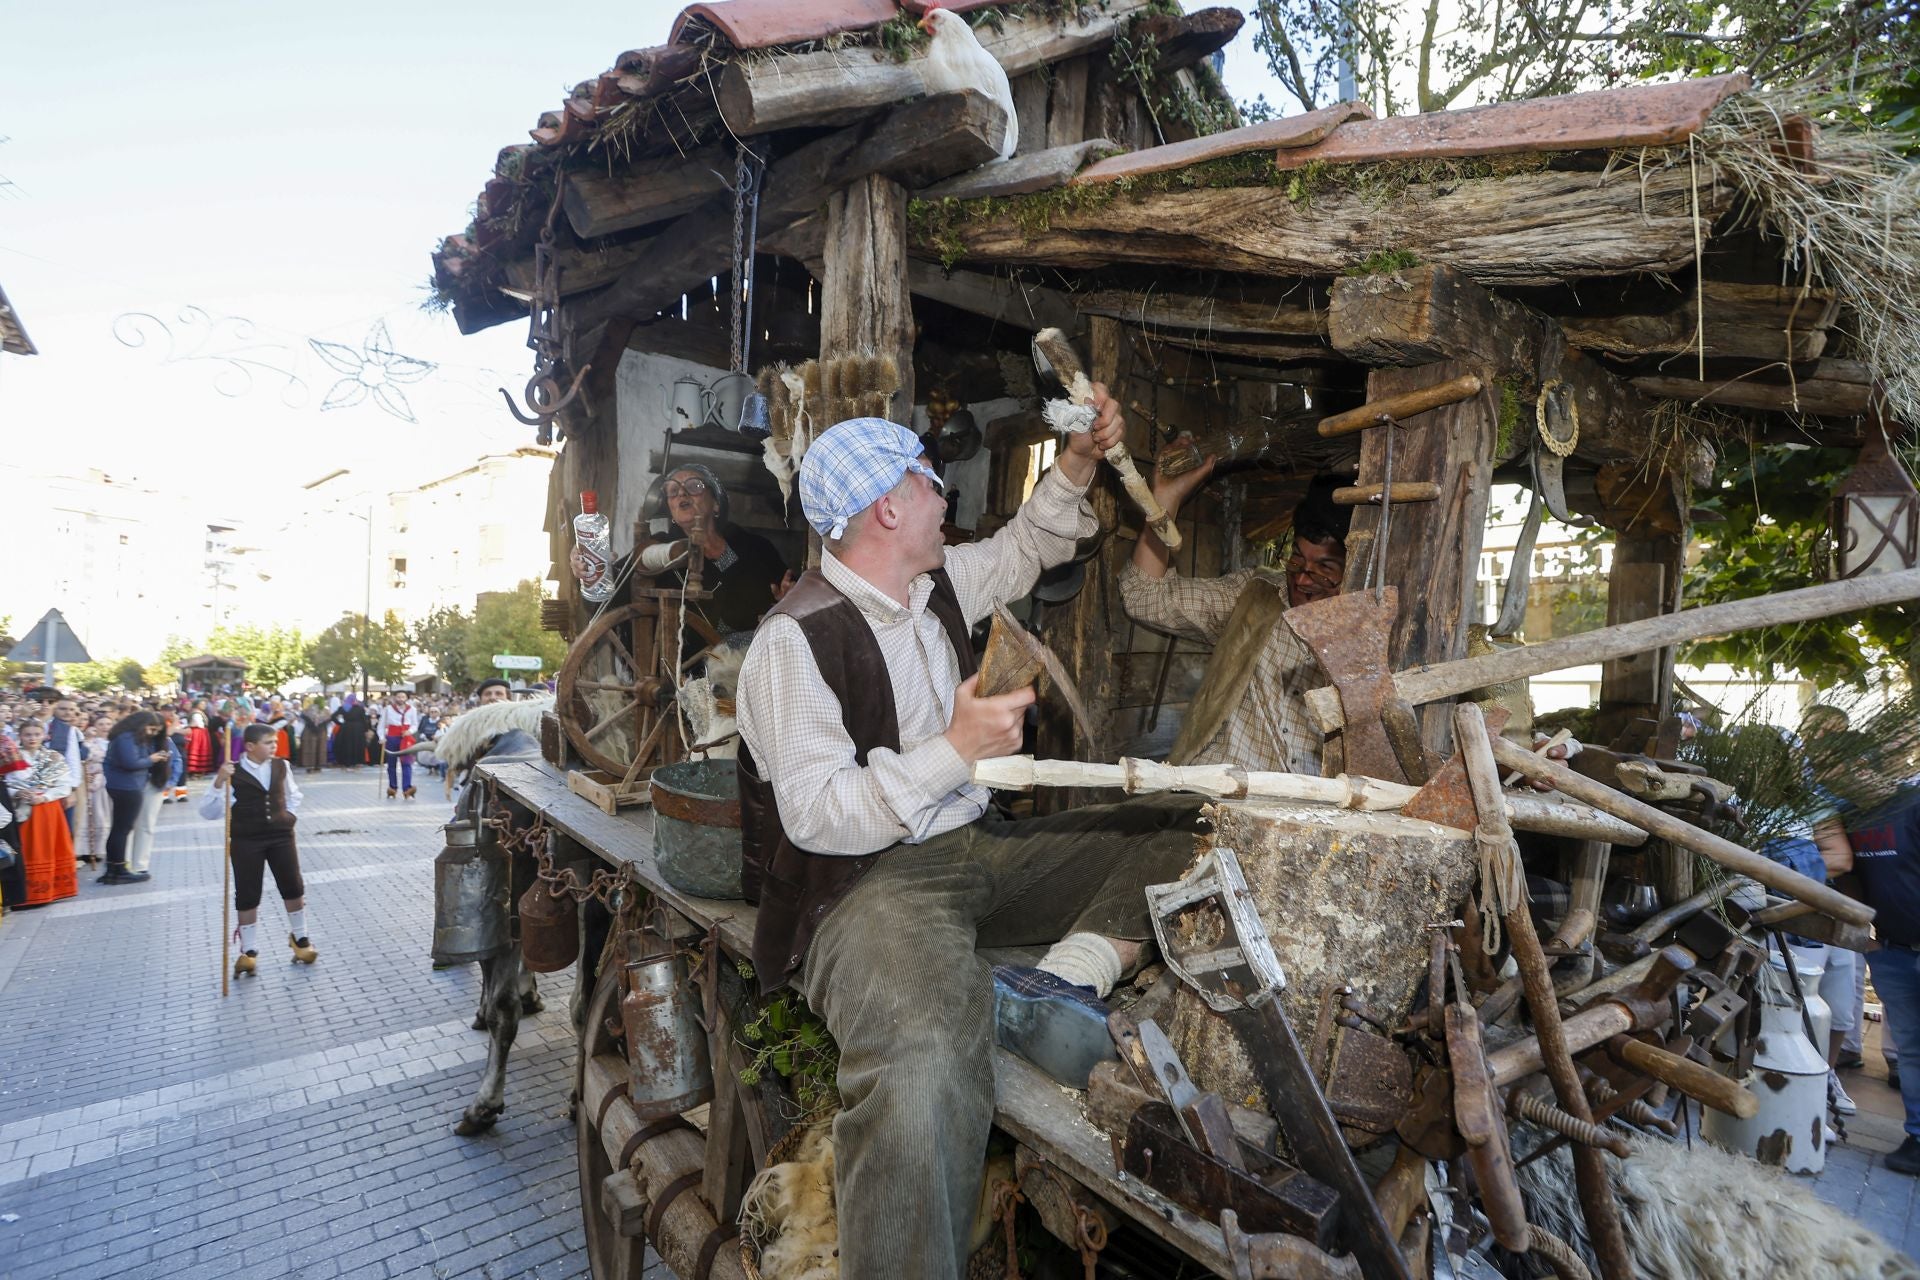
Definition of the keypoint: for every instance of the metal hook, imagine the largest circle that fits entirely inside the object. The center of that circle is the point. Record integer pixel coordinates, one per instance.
(541, 390)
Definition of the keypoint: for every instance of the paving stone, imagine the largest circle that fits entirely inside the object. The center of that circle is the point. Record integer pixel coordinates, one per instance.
(299, 1128)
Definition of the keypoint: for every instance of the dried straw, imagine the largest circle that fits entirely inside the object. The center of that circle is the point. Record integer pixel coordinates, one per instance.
(1850, 220)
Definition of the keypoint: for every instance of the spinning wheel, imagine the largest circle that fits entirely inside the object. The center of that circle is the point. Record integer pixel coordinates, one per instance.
(615, 693)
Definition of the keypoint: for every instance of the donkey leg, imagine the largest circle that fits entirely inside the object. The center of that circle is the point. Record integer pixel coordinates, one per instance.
(530, 1001)
(501, 1004)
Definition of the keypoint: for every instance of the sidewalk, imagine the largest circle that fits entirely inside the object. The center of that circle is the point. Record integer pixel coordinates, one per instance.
(303, 1127)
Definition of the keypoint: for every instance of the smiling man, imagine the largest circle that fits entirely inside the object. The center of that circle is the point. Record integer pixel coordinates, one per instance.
(876, 865)
(1249, 711)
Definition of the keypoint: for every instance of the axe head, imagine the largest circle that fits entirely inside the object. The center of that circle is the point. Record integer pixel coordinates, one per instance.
(1062, 376)
(1348, 634)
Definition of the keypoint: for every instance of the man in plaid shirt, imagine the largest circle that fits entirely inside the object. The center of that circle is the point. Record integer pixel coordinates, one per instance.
(1267, 727)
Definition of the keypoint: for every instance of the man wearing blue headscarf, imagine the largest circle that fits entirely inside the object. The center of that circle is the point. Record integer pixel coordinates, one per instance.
(876, 865)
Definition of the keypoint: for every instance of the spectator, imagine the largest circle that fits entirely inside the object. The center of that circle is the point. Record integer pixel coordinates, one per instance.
(99, 819)
(134, 752)
(312, 751)
(63, 735)
(13, 879)
(37, 794)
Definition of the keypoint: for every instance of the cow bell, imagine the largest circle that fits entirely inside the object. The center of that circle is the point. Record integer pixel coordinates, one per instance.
(668, 1067)
(549, 929)
(470, 898)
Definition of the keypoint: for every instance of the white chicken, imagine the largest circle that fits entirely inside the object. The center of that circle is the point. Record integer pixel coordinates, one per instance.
(955, 61)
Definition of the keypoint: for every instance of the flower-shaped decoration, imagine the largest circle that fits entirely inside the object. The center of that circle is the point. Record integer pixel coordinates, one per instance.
(376, 370)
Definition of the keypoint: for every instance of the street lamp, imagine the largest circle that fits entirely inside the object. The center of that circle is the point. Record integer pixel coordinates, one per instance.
(1876, 511)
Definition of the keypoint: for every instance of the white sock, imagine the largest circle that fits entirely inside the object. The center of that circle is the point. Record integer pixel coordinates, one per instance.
(297, 922)
(249, 935)
(1085, 960)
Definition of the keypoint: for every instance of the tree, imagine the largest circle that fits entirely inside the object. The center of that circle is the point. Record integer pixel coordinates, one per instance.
(274, 655)
(1773, 502)
(388, 649)
(90, 677)
(509, 622)
(131, 674)
(1464, 51)
(442, 635)
(333, 655)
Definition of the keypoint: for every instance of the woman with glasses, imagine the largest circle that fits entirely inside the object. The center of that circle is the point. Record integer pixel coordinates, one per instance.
(743, 570)
(1249, 710)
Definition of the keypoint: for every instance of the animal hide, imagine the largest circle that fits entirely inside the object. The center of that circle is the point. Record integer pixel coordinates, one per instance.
(464, 741)
(1701, 1213)
(704, 697)
(789, 1215)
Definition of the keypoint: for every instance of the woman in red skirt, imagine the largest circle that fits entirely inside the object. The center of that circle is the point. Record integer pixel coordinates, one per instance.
(200, 742)
(46, 846)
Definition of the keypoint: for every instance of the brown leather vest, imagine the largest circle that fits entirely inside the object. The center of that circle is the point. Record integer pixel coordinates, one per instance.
(795, 889)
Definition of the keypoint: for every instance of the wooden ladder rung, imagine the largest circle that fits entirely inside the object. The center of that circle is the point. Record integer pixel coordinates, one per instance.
(1405, 405)
(1369, 494)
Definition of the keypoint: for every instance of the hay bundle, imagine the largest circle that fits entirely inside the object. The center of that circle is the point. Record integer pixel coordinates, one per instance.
(1701, 1213)
(789, 1224)
(805, 400)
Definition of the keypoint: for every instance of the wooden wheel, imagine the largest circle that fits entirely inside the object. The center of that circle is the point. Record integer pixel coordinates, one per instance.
(611, 1255)
(614, 702)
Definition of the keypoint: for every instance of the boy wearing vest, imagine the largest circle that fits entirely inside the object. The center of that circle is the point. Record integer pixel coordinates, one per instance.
(265, 799)
(873, 857)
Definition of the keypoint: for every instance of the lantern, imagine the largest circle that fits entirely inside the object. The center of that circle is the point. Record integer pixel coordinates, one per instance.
(1876, 511)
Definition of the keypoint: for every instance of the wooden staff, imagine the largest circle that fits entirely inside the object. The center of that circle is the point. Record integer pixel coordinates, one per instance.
(226, 892)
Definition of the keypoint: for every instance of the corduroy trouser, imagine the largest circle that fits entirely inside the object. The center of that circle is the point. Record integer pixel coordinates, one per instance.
(894, 972)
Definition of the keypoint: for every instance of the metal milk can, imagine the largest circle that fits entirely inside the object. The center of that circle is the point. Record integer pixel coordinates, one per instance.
(1789, 1077)
(668, 1068)
(469, 897)
(549, 928)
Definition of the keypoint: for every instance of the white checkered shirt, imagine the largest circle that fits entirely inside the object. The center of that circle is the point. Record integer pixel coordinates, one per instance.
(1270, 729)
(791, 720)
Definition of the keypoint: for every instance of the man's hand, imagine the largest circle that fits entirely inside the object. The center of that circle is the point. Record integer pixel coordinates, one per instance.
(783, 586)
(220, 778)
(1085, 448)
(986, 727)
(1172, 492)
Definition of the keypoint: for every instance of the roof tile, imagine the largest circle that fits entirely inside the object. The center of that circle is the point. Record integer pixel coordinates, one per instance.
(1634, 116)
(1293, 131)
(761, 24)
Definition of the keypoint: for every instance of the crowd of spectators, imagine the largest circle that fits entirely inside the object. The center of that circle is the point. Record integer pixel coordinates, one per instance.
(83, 775)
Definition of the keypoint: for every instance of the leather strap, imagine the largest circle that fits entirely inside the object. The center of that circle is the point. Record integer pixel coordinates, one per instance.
(666, 1124)
(710, 1248)
(658, 1209)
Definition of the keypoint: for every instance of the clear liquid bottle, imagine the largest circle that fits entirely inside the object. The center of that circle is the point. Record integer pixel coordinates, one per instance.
(593, 549)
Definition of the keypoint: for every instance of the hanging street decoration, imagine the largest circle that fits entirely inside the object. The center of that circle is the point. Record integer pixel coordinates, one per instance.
(375, 370)
(240, 357)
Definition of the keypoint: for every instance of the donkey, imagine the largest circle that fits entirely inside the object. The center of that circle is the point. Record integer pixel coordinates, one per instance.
(502, 731)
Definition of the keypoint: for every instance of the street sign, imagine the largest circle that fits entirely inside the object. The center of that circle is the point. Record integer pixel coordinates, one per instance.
(51, 640)
(516, 662)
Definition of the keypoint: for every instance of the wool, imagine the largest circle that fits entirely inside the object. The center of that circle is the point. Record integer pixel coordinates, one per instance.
(1085, 960)
(464, 741)
(701, 699)
(1701, 1213)
(788, 1212)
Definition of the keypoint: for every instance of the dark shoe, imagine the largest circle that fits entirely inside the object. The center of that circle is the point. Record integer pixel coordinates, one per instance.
(1058, 1027)
(1850, 1062)
(116, 875)
(139, 877)
(1906, 1157)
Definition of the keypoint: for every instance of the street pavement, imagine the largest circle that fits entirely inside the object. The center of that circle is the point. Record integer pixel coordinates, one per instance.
(301, 1127)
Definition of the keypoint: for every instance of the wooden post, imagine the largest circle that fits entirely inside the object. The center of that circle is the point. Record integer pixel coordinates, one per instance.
(1644, 582)
(1433, 547)
(865, 308)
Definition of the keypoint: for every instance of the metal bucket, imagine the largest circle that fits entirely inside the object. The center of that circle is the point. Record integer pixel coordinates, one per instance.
(696, 827)
(668, 1067)
(549, 929)
(470, 892)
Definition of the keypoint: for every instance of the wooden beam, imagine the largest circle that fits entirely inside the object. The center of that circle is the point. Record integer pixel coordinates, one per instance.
(1744, 321)
(833, 86)
(1824, 396)
(647, 191)
(1432, 312)
(1529, 228)
(1155, 310)
(917, 144)
(1182, 39)
(581, 269)
(1009, 301)
(1067, 104)
(864, 305)
(1040, 170)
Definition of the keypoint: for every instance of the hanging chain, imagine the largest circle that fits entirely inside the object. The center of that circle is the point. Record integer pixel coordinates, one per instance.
(1377, 562)
(550, 342)
(747, 171)
(602, 886)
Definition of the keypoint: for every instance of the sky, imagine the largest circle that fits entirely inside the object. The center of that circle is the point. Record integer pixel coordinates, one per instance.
(218, 179)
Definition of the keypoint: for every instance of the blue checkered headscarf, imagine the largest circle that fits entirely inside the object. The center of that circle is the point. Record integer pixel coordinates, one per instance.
(851, 465)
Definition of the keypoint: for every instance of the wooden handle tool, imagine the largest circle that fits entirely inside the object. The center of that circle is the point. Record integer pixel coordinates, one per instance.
(1056, 358)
